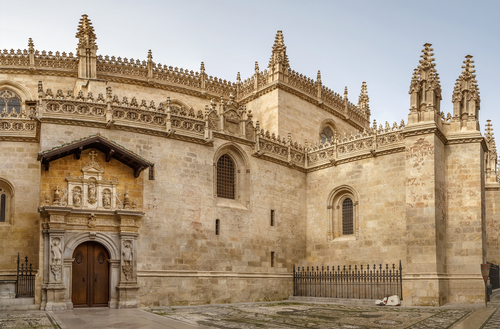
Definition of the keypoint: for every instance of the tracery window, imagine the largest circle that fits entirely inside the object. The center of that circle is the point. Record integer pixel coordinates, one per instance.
(326, 134)
(6, 195)
(225, 177)
(347, 217)
(9, 101)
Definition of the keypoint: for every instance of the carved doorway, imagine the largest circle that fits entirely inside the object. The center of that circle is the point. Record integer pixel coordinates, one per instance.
(90, 278)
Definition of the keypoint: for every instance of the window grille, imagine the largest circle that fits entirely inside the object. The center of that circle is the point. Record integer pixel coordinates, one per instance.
(225, 177)
(347, 217)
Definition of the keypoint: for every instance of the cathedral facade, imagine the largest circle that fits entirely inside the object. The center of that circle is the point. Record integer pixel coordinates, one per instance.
(130, 183)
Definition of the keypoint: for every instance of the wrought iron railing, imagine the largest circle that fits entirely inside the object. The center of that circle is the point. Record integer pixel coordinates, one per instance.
(494, 276)
(25, 283)
(354, 282)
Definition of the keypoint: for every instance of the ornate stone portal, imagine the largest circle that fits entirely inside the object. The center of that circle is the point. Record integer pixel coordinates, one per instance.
(89, 209)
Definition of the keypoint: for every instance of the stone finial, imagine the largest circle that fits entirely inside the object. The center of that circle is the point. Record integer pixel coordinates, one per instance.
(256, 67)
(150, 55)
(279, 55)
(31, 46)
(202, 67)
(238, 77)
(85, 33)
(318, 76)
(345, 92)
(363, 100)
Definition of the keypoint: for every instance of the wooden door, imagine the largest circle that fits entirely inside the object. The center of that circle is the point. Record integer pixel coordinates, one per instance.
(90, 275)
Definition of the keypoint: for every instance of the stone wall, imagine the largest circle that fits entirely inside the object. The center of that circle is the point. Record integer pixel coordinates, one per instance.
(177, 235)
(381, 228)
(492, 198)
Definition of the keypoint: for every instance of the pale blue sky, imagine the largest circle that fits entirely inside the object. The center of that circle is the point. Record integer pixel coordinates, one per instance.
(349, 41)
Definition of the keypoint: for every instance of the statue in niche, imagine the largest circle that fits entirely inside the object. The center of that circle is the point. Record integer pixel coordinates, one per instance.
(77, 197)
(92, 193)
(127, 254)
(56, 254)
(106, 199)
(57, 197)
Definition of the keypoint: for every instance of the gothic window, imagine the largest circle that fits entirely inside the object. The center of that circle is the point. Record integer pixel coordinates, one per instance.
(9, 101)
(231, 177)
(342, 210)
(326, 134)
(347, 216)
(225, 177)
(6, 201)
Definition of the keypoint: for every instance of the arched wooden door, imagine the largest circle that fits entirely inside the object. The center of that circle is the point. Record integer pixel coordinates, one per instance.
(90, 284)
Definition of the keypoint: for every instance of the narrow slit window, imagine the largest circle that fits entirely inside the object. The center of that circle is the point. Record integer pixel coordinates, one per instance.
(225, 177)
(347, 217)
(3, 207)
(217, 227)
(272, 258)
(272, 217)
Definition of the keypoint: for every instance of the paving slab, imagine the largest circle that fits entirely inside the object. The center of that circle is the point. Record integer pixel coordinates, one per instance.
(89, 318)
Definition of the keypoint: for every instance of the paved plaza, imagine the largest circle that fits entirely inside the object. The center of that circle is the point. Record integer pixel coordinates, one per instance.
(285, 314)
(320, 316)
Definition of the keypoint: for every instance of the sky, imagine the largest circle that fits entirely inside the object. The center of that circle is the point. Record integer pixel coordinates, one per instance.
(376, 41)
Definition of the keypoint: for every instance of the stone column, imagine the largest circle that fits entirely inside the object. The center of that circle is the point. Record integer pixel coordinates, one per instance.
(128, 288)
(54, 229)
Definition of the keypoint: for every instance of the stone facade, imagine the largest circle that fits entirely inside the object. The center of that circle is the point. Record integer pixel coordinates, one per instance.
(100, 150)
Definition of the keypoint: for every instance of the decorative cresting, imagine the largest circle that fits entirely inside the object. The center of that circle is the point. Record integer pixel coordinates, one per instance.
(168, 119)
(88, 209)
(372, 142)
(425, 90)
(87, 49)
(492, 178)
(86, 64)
(466, 100)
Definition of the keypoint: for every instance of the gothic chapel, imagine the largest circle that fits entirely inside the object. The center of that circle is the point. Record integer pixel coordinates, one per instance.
(131, 183)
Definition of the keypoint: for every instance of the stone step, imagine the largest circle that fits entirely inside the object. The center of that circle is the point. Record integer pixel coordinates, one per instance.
(18, 304)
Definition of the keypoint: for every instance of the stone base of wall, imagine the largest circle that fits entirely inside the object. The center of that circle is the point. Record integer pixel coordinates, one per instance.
(196, 289)
(442, 289)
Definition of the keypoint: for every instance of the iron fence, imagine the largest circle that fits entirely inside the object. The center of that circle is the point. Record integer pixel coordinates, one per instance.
(25, 283)
(355, 282)
(494, 276)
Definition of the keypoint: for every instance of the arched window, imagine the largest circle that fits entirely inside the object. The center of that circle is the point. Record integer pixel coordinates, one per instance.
(326, 134)
(342, 206)
(225, 177)
(9, 101)
(6, 202)
(347, 217)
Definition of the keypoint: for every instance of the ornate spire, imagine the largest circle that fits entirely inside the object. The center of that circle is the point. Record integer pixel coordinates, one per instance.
(465, 99)
(279, 52)
(425, 89)
(363, 100)
(85, 33)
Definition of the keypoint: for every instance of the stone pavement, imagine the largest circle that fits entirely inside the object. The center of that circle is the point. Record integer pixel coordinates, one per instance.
(286, 314)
